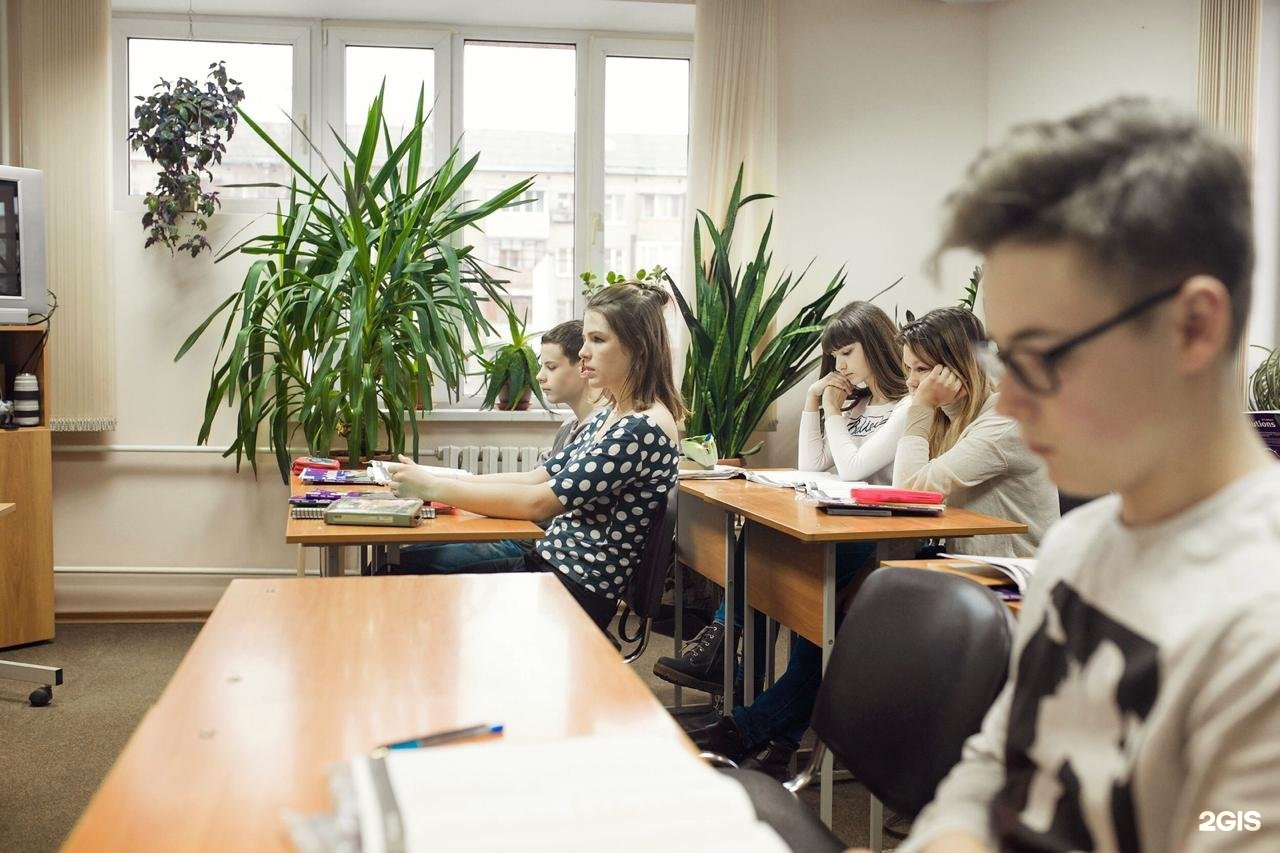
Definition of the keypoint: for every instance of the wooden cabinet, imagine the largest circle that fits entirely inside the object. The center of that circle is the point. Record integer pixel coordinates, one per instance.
(26, 479)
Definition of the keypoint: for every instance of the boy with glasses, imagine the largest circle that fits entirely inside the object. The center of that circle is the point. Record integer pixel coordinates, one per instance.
(1142, 710)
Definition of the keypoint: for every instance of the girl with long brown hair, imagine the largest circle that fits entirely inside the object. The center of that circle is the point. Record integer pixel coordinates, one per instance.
(956, 443)
(603, 490)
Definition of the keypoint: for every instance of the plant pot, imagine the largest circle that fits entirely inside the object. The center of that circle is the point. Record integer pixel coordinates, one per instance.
(363, 461)
(506, 404)
(735, 462)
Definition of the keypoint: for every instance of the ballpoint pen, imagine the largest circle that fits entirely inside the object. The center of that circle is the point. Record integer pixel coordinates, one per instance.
(441, 738)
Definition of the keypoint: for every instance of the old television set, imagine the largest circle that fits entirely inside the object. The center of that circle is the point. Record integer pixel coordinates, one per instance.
(23, 290)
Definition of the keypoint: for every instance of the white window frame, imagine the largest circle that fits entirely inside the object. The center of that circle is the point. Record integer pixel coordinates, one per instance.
(336, 38)
(601, 48)
(300, 35)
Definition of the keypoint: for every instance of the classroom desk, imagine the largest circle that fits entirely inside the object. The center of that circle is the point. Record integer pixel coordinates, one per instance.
(457, 526)
(5, 509)
(955, 567)
(789, 569)
(291, 674)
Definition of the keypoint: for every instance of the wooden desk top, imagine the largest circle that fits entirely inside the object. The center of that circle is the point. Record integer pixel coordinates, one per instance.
(5, 509)
(447, 527)
(291, 674)
(779, 509)
(953, 567)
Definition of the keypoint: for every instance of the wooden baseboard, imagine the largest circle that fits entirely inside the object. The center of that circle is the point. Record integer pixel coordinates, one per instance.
(112, 616)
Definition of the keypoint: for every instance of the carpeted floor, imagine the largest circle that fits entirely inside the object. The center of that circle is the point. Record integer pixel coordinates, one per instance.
(54, 758)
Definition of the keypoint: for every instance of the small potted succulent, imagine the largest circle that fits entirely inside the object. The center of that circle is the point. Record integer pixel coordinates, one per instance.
(511, 370)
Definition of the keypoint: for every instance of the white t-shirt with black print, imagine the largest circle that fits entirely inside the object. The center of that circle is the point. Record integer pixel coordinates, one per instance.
(611, 483)
(859, 442)
(1142, 710)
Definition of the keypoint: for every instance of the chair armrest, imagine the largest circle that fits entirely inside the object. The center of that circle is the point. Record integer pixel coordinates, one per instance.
(806, 774)
(715, 759)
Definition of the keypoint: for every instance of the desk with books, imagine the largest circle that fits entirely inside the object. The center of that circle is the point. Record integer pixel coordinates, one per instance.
(789, 567)
(963, 568)
(290, 675)
(458, 526)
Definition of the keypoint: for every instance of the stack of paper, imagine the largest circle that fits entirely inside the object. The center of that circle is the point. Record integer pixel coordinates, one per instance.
(821, 484)
(579, 794)
(1016, 570)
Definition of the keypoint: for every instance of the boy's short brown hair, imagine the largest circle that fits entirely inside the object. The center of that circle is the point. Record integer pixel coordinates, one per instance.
(567, 336)
(1148, 195)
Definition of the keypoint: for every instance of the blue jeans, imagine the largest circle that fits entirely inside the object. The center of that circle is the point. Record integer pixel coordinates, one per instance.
(784, 710)
(456, 558)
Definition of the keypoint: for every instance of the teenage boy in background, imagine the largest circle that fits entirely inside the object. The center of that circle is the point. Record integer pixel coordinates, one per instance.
(561, 380)
(1142, 710)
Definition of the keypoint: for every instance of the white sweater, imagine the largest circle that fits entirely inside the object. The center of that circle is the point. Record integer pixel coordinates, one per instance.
(988, 470)
(1144, 693)
(859, 443)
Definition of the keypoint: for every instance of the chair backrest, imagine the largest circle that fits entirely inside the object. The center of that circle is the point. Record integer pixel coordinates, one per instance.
(644, 594)
(918, 661)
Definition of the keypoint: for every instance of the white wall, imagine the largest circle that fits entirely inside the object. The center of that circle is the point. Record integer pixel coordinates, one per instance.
(1050, 57)
(881, 104)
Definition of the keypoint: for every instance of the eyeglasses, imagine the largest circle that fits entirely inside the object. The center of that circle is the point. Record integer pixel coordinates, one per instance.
(1038, 371)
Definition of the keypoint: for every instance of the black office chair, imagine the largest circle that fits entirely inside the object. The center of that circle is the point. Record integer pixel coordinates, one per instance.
(644, 594)
(918, 661)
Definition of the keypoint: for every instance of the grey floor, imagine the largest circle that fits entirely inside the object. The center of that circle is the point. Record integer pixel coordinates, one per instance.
(54, 758)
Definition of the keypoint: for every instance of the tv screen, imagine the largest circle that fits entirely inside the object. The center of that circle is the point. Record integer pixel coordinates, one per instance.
(22, 242)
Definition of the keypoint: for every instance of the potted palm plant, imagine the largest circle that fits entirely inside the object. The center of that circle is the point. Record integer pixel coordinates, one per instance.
(738, 363)
(510, 372)
(360, 298)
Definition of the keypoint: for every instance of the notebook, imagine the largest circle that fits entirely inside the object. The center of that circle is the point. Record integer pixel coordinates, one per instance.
(618, 793)
(382, 510)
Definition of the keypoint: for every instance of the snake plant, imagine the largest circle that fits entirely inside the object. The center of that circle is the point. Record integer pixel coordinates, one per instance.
(359, 299)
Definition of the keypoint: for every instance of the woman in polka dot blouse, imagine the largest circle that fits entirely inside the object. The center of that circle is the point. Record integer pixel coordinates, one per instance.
(603, 490)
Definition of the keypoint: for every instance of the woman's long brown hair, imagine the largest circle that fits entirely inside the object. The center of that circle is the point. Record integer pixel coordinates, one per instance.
(948, 336)
(862, 323)
(633, 311)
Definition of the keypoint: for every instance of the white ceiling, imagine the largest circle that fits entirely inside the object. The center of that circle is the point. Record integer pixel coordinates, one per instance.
(655, 16)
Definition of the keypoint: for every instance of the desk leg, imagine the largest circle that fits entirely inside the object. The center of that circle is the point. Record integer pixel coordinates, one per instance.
(875, 825)
(748, 632)
(828, 642)
(770, 653)
(330, 561)
(677, 630)
(730, 646)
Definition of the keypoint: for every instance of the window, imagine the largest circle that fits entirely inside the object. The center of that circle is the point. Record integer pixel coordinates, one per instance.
(599, 122)
(404, 72)
(265, 74)
(532, 201)
(646, 160)
(564, 262)
(614, 206)
(519, 114)
(661, 205)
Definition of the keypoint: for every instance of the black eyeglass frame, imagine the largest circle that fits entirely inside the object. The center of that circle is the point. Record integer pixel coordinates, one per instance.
(1050, 357)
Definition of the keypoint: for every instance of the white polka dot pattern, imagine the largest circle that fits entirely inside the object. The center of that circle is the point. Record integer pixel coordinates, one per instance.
(610, 488)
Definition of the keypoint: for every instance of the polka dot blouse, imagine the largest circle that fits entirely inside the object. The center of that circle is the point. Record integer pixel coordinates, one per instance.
(611, 483)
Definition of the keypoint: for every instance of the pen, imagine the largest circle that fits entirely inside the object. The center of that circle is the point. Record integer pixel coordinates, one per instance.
(442, 737)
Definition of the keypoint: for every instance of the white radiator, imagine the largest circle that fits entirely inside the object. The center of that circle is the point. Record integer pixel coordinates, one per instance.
(486, 459)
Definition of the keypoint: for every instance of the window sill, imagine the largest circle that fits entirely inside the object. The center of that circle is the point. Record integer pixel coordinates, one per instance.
(534, 414)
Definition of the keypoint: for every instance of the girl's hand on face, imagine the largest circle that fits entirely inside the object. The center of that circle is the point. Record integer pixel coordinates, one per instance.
(940, 388)
(816, 389)
(410, 481)
(835, 395)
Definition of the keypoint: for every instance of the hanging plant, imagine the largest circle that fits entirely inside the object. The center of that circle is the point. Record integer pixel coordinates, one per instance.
(183, 128)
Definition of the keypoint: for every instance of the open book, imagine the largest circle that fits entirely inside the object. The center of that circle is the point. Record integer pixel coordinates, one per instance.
(1013, 569)
(573, 795)
(825, 482)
